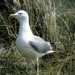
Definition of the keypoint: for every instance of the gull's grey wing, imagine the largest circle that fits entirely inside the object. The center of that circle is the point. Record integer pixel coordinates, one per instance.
(40, 45)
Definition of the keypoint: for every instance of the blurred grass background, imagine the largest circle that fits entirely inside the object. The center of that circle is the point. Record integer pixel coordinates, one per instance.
(53, 20)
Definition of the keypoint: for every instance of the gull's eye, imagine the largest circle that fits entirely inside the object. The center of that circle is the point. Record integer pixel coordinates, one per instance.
(20, 13)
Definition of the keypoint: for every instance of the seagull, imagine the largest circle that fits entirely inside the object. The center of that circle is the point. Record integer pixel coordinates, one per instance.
(28, 44)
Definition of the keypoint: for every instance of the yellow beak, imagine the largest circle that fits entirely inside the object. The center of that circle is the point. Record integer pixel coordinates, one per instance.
(12, 15)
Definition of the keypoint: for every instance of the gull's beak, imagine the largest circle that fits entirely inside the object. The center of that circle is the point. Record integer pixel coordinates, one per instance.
(12, 16)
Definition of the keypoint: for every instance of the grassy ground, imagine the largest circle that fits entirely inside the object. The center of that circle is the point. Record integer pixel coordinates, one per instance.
(53, 20)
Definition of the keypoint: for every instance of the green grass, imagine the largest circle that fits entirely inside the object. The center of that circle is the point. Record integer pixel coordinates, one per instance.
(51, 20)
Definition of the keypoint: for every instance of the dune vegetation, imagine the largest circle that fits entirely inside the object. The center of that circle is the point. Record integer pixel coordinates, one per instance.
(54, 21)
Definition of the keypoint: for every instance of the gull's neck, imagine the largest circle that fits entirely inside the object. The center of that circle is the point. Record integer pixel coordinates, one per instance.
(24, 28)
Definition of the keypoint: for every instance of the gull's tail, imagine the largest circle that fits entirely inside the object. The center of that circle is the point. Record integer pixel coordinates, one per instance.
(48, 52)
(55, 43)
(51, 51)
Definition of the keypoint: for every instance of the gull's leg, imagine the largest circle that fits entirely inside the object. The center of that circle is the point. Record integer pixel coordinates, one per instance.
(37, 66)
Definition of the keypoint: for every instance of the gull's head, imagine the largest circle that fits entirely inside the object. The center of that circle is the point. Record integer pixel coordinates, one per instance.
(20, 15)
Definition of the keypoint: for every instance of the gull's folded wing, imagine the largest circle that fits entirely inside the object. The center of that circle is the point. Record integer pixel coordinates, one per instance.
(40, 45)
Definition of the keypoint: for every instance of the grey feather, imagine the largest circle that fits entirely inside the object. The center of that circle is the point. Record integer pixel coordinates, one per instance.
(40, 45)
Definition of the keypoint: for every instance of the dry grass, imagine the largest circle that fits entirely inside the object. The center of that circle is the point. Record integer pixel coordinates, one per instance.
(53, 21)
